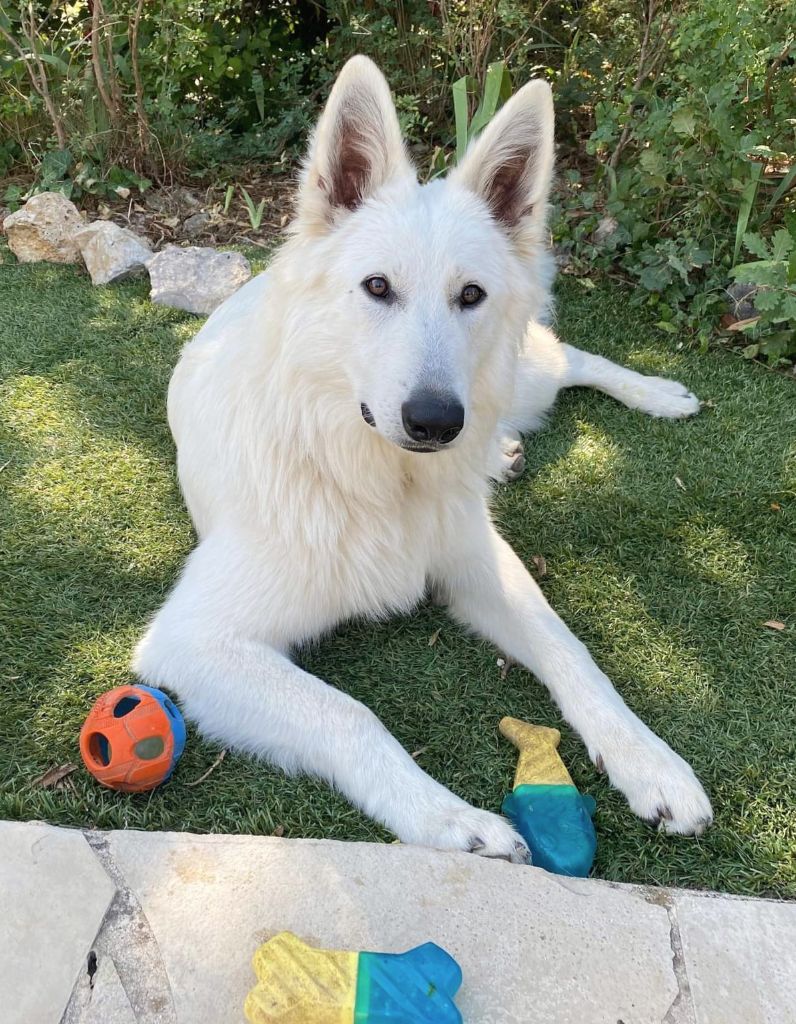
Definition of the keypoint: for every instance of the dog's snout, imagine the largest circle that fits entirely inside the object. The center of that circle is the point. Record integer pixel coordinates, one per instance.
(432, 418)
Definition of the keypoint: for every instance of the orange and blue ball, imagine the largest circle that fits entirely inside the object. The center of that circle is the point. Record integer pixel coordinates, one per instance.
(132, 738)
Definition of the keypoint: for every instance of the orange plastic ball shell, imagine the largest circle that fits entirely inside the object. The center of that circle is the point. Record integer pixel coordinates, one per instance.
(111, 745)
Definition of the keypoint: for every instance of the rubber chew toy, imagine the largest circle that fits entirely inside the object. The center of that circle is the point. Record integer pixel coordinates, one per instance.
(297, 984)
(546, 808)
(132, 738)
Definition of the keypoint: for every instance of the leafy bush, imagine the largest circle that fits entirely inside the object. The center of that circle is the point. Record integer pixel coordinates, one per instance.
(692, 138)
(772, 295)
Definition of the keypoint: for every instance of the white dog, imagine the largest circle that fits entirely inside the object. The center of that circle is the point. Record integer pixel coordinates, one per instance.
(398, 320)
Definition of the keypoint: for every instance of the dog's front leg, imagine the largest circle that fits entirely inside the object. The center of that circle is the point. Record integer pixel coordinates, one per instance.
(488, 588)
(246, 694)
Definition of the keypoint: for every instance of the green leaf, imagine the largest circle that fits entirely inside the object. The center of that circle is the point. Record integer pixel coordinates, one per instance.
(489, 101)
(675, 262)
(665, 325)
(782, 188)
(779, 344)
(768, 300)
(751, 351)
(756, 245)
(788, 308)
(55, 164)
(56, 62)
(761, 272)
(745, 207)
(459, 90)
(782, 244)
(655, 278)
(683, 121)
(653, 163)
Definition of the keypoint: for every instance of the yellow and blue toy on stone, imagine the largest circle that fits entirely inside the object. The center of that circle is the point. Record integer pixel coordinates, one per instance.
(546, 808)
(297, 984)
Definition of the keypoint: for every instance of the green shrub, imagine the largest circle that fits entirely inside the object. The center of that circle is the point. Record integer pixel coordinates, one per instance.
(691, 141)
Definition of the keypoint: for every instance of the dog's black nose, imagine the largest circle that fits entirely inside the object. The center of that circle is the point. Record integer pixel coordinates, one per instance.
(431, 418)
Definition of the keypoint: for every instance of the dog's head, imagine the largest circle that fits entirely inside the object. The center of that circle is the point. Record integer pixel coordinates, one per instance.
(424, 281)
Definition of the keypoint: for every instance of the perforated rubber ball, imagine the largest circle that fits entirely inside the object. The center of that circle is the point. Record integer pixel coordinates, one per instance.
(132, 738)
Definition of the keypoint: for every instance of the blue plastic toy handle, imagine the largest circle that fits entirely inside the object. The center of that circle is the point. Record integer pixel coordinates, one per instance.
(416, 987)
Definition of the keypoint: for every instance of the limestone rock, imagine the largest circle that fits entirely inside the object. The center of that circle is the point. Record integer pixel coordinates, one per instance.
(44, 229)
(196, 279)
(112, 253)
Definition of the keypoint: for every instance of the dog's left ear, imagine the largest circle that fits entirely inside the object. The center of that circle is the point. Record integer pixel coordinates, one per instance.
(356, 146)
(510, 164)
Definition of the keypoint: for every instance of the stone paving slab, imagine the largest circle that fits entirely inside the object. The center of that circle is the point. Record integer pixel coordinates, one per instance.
(740, 956)
(53, 897)
(183, 915)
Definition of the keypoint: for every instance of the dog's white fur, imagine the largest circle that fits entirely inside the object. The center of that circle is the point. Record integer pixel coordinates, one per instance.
(308, 516)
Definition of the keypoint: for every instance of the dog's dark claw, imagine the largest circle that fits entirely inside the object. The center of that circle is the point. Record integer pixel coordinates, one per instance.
(662, 813)
(522, 853)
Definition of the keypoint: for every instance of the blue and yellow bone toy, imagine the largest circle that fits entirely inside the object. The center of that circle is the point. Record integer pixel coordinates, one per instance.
(546, 808)
(297, 984)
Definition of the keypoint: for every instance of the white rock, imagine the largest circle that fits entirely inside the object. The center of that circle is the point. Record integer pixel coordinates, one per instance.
(44, 229)
(112, 253)
(195, 279)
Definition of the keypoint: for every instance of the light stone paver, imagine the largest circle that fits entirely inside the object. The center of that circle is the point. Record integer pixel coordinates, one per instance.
(532, 948)
(109, 1002)
(53, 897)
(740, 956)
(187, 912)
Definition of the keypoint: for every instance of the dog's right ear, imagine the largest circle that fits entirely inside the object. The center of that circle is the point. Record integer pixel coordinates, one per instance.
(356, 147)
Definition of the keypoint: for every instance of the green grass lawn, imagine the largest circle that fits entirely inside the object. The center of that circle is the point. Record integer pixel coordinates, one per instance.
(668, 545)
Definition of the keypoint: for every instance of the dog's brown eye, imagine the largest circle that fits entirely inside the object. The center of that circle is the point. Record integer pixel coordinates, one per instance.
(379, 287)
(471, 295)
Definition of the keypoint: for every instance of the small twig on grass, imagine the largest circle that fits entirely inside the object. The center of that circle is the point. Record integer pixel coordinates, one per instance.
(212, 767)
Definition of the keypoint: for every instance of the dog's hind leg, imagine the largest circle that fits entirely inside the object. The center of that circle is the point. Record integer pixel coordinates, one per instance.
(657, 396)
(246, 694)
(546, 365)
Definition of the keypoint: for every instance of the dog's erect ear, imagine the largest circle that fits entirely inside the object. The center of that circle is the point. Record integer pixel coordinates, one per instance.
(356, 146)
(510, 164)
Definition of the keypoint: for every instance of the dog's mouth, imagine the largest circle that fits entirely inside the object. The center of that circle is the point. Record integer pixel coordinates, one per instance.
(408, 446)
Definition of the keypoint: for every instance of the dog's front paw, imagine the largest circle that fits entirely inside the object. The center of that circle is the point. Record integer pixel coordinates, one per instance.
(473, 831)
(658, 396)
(659, 785)
(510, 460)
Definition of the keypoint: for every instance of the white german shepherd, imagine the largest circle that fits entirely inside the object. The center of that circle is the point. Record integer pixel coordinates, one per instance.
(398, 320)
